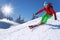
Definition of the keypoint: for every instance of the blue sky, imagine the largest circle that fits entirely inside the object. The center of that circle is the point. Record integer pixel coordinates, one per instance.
(26, 8)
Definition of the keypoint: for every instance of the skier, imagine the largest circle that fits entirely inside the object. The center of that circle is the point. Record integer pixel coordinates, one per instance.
(49, 13)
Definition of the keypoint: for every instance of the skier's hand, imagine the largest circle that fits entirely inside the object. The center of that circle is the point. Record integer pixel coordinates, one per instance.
(55, 18)
(36, 13)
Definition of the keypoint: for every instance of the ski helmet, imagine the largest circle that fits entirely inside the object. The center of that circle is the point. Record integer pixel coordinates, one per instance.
(45, 3)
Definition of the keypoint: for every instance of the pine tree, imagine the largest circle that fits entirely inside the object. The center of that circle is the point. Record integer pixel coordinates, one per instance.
(19, 20)
(34, 16)
(9, 18)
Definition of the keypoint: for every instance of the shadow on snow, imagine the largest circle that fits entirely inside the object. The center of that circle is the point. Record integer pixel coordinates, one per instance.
(5, 25)
(54, 26)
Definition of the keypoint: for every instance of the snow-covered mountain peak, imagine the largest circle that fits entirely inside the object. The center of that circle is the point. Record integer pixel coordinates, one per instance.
(8, 21)
(4, 23)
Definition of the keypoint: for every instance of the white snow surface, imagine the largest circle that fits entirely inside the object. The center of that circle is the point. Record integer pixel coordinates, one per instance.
(42, 32)
(8, 21)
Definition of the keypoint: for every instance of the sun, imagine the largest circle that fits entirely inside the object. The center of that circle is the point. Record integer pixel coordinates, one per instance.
(7, 9)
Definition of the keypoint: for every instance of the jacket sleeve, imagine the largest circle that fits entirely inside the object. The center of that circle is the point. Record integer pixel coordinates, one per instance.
(53, 12)
(40, 10)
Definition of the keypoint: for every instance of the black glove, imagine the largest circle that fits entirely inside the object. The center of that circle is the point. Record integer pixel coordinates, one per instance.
(55, 18)
(36, 13)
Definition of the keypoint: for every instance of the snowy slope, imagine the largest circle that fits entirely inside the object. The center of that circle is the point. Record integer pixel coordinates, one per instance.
(42, 32)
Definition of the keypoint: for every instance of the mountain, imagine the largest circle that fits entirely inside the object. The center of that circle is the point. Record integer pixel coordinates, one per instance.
(48, 31)
(5, 23)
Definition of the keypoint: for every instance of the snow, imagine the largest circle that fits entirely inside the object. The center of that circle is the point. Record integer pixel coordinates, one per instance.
(4, 23)
(8, 21)
(42, 32)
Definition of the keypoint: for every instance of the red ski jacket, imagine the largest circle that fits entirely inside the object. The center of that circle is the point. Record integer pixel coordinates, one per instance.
(49, 10)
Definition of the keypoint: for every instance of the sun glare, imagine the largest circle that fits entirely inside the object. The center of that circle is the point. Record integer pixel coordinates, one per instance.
(7, 9)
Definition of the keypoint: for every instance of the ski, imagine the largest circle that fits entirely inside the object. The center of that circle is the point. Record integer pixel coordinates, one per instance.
(33, 26)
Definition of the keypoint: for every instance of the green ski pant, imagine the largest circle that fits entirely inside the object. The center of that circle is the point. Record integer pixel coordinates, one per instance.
(45, 18)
